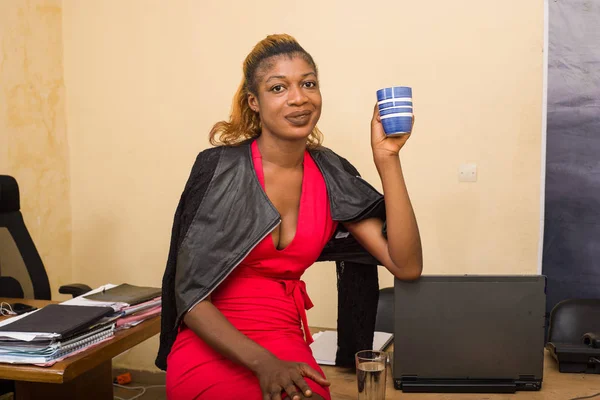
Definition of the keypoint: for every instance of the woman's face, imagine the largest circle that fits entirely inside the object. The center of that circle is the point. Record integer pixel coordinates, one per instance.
(288, 98)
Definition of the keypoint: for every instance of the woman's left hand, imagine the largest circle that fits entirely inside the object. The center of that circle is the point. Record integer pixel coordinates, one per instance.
(384, 146)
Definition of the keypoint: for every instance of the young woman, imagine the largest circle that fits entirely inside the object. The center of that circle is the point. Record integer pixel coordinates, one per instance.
(259, 208)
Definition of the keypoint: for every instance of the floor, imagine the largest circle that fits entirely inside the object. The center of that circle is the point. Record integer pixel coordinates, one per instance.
(150, 394)
(146, 380)
(139, 379)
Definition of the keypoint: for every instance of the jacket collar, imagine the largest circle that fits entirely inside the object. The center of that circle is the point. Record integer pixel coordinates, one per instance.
(349, 195)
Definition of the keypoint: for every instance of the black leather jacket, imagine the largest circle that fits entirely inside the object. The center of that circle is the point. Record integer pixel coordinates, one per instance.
(224, 213)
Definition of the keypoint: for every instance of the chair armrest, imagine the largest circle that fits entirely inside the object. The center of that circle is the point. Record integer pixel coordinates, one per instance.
(74, 289)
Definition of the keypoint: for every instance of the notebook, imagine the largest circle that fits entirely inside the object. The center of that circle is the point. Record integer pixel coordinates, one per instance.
(126, 293)
(324, 347)
(42, 354)
(55, 321)
(82, 301)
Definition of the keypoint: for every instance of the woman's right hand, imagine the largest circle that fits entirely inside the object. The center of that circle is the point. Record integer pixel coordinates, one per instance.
(277, 376)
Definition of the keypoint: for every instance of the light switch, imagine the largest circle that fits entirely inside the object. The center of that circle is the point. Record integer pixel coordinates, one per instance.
(467, 173)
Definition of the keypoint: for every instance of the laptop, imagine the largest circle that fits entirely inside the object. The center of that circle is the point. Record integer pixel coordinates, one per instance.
(461, 334)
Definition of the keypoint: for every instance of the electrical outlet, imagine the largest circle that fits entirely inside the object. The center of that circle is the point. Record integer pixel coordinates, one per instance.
(467, 173)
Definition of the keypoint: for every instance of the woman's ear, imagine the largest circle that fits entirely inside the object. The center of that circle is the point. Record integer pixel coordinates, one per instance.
(253, 102)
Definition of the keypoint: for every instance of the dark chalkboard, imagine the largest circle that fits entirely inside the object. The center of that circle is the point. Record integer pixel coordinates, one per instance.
(571, 252)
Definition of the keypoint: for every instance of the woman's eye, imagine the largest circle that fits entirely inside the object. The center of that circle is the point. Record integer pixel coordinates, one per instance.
(310, 84)
(277, 88)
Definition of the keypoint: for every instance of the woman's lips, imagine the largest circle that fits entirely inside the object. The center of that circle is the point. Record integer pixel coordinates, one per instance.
(299, 118)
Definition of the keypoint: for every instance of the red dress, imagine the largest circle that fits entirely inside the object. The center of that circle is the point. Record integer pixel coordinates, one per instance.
(264, 299)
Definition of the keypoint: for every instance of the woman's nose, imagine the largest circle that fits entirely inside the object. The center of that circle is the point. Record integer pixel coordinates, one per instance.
(296, 96)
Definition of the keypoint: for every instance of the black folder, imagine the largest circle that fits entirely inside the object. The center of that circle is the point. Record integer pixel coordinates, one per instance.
(64, 320)
(126, 293)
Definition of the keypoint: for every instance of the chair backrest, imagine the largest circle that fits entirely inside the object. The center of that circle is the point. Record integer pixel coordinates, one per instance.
(385, 311)
(570, 319)
(19, 259)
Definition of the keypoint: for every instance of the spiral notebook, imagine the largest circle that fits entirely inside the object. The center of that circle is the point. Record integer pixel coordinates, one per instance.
(55, 350)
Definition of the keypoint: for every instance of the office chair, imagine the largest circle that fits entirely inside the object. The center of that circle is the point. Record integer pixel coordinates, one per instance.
(22, 272)
(571, 318)
(385, 311)
(574, 335)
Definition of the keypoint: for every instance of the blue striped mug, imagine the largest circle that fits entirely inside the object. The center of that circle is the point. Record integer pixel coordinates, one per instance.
(395, 109)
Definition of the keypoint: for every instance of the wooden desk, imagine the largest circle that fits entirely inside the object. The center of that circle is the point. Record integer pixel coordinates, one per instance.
(87, 375)
(555, 386)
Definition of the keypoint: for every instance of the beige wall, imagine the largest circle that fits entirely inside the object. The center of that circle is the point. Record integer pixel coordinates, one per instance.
(33, 135)
(147, 79)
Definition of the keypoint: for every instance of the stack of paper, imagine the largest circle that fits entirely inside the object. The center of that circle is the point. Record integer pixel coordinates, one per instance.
(57, 331)
(138, 314)
(324, 347)
(125, 293)
(49, 352)
(84, 301)
(133, 304)
(141, 307)
(53, 332)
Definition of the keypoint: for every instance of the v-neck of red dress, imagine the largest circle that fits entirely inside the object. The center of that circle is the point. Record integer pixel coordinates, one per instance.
(258, 165)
